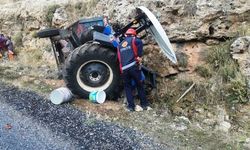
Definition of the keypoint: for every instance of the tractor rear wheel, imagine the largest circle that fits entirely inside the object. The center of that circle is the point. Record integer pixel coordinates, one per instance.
(92, 67)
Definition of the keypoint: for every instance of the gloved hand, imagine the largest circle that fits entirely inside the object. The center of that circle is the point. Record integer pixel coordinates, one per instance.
(10, 52)
(139, 60)
(10, 55)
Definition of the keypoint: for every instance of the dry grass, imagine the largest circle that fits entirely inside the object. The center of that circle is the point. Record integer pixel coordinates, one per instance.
(244, 30)
(233, 83)
(18, 40)
(81, 9)
(204, 71)
(31, 57)
(182, 59)
(219, 81)
(237, 90)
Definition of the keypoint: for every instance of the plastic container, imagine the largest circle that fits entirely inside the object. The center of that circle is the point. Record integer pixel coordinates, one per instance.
(61, 95)
(97, 97)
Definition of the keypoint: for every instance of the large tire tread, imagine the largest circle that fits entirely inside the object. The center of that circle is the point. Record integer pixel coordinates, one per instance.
(85, 53)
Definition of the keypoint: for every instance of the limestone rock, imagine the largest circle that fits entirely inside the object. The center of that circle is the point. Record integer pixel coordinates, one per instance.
(186, 20)
(221, 114)
(240, 51)
(33, 25)
(189, 54)
(241, 45)
(182, 119)
(247, 144)
(223, 126)
(178, 127)
(209, 122)
(199, 110)
(60, 18)
(212, 42)
(180, 123)
(156, 60)
(183, 20)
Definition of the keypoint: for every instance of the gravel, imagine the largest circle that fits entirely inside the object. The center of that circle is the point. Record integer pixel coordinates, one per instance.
(18, 131)
(37, 123)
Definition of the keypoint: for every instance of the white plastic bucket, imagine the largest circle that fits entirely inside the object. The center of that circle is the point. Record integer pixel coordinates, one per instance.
(60, 95)
(97, 97)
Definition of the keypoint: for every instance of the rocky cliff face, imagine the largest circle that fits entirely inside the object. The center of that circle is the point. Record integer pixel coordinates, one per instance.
(192, 25)
(186, 20)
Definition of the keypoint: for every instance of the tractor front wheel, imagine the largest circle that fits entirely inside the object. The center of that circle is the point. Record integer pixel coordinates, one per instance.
(92, 67)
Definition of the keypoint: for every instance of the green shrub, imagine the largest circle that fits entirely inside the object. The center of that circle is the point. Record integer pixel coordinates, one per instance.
(237, 90)
(18, 39)
(182, 59)
(228, 72)
(203, 71)
(232, 86)
(219, 55)
(244, 31)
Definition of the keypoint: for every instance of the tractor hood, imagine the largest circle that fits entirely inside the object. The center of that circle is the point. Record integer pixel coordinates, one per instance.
(159, 35)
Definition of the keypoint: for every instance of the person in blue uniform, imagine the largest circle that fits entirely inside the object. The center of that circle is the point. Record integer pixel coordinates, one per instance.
(2, 44)
(10, 48)
(130, 52)
(6, 44)
(109, 31)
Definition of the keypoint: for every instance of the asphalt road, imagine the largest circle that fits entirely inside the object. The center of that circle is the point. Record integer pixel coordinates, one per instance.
(29, 121)
(18, 131)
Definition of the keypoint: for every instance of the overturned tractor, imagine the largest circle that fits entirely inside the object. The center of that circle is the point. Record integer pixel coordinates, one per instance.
(86, 57)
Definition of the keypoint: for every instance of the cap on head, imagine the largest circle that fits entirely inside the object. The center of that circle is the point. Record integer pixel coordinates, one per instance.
(131, 32)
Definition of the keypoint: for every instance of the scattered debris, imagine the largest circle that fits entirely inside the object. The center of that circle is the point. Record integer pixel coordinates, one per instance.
(247, 144)
(223, 126)
(185, 93)
(98, 97)
(8, 126)
(61, 95)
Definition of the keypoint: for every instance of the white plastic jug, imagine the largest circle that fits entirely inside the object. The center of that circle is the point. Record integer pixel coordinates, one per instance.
(60, 95)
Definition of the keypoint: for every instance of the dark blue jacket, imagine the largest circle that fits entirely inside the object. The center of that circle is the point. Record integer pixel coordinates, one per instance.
(9, 45)
(3, 42)
(127, 56)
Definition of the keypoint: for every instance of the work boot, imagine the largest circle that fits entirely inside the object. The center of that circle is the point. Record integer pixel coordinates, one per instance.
(129, 109)
(10, 55)
(138, 108)
(147, 108)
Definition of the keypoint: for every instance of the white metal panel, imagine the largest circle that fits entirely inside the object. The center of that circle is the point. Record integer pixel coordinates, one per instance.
(160, 35)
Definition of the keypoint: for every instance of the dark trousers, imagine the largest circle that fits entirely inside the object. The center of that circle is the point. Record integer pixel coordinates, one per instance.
(130, 74)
